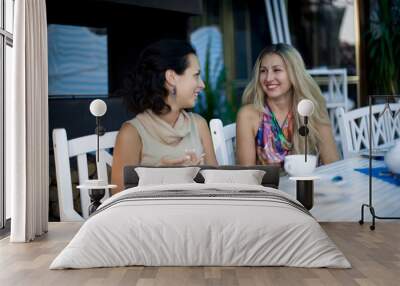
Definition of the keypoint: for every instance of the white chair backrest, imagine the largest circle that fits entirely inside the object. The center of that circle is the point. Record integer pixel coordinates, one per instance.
(64, 150)
(335, 92)
(354, 128)
(394, 124)
(224, 141)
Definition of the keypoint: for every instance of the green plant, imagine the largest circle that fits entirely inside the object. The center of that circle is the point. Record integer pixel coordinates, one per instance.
(217, 104)
(384, 47)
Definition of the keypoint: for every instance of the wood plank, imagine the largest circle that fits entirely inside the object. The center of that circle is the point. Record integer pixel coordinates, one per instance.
(374, 255)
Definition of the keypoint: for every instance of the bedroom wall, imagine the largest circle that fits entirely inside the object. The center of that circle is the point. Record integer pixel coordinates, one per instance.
(130, 26)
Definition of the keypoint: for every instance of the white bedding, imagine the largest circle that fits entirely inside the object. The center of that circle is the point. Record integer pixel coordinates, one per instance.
(190, 230)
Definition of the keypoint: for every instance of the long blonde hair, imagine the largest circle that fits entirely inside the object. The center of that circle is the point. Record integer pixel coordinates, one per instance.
(303, 86)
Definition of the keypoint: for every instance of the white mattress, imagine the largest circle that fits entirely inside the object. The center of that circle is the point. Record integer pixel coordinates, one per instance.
(190, 230)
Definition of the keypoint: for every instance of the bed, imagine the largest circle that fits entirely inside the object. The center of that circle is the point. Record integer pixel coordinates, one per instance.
(201, 224)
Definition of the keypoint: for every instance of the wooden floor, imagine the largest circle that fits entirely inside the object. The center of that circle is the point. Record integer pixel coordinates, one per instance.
(374, 255)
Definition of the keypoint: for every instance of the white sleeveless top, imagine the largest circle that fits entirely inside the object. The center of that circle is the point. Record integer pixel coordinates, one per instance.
(154, 149)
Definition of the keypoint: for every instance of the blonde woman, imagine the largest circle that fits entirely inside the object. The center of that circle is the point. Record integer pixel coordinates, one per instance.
(267, 124)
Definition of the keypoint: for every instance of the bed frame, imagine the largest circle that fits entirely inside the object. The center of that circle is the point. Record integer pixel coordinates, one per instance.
(270, 179)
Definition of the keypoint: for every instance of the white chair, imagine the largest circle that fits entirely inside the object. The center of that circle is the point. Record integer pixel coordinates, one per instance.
(64, 150)
(394, 124)
(335, 88)
(335, 92)
(224, 141)
(354, 128)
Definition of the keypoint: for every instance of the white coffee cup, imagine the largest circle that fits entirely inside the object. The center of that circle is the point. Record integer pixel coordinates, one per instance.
(296, 166)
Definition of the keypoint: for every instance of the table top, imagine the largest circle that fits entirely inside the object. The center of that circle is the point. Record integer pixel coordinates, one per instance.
(342, 200)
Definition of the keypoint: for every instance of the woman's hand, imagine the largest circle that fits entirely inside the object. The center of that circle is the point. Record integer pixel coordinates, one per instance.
(189, 159)
(168, 161)
(194, 159)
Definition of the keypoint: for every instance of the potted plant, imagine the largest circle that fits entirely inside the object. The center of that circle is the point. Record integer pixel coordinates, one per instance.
(215, 103)
(384, 46)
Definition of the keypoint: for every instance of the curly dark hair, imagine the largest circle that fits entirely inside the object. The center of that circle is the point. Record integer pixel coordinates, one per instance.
(145, 87)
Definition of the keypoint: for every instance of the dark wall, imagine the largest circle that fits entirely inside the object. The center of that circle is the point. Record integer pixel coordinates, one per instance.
(130, 28)
(75, 117)
(185, 6)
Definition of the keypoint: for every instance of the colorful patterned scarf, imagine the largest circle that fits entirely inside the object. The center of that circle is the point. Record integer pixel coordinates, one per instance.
(273, 142)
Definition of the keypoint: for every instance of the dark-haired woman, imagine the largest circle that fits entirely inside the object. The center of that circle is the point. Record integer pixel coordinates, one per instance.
(165, 82)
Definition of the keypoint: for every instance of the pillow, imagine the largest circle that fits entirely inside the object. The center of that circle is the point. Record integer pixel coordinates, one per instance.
(162, 176)
(249, 177)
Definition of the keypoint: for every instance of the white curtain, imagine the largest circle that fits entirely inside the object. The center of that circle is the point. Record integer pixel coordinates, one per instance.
(27, 124)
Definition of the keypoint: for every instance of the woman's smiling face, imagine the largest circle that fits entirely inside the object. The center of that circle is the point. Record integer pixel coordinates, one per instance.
(274, 78)
(189, 84)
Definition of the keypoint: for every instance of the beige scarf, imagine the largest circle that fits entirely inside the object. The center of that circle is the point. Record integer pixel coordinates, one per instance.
(162, 131)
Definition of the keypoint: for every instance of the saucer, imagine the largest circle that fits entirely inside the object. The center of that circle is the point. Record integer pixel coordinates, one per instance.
(96, 187)
(304, 178)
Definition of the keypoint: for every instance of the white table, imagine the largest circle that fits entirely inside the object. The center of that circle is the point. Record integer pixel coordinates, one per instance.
(342, 201)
